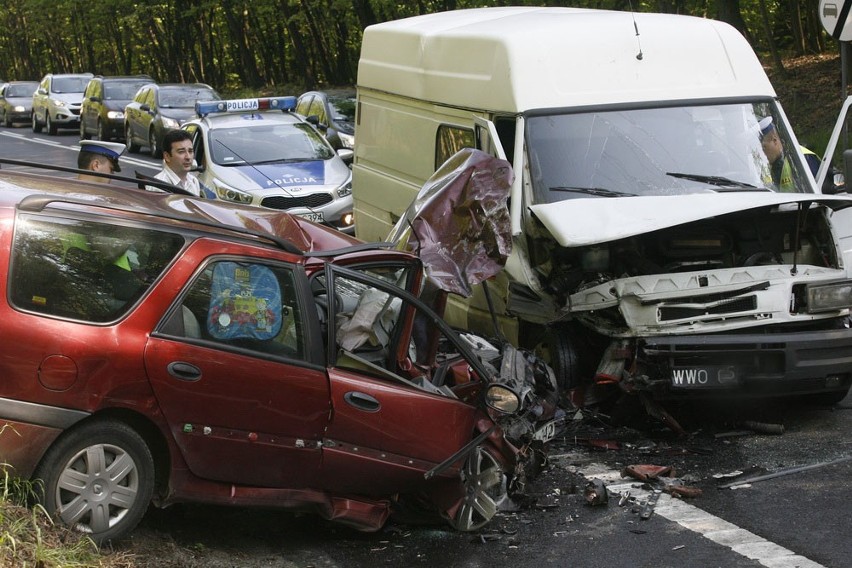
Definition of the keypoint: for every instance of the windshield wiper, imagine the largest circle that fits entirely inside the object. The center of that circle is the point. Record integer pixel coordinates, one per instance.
(598, 191)
(715, 180)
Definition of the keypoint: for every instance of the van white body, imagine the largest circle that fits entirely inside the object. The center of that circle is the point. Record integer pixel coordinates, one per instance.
(648, 223)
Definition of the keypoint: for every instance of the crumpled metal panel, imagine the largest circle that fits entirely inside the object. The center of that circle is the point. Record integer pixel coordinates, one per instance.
(459, 222)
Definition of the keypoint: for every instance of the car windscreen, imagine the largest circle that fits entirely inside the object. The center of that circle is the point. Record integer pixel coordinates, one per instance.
(660, 151)
(267, 143)
(21, 90)
(121, 90)
(69, 84)
(184, 98)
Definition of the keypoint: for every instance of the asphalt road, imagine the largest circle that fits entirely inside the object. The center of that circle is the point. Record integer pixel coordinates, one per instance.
(798, 516)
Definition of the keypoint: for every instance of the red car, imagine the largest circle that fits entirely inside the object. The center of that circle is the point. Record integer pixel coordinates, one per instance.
(162, 348)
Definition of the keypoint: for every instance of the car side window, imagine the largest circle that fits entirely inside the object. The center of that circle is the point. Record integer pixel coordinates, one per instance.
(242, 304)
(85, 270)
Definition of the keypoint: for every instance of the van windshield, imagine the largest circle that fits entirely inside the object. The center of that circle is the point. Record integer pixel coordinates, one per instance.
(662, 151)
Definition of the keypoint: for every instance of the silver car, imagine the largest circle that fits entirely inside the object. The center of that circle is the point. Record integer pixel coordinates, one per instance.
(57, 101)
(16, 101)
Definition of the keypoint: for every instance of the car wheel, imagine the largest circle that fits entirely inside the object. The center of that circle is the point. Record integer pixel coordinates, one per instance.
(36, 123)
(83, 135)
(98, 479)
(102, 133)
(132, 146)
(152, 144)
(51, 127)
(485, 489)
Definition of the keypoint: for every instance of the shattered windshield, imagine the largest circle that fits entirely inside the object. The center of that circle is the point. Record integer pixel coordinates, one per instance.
(662, 151)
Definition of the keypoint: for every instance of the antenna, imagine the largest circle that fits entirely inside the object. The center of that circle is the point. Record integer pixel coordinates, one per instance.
(636, 27)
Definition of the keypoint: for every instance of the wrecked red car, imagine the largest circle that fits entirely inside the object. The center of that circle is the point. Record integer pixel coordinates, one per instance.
(161, 348)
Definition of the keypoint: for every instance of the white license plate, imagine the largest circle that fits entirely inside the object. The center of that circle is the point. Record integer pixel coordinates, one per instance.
(315, 217)
(704, 377)
(546, 432)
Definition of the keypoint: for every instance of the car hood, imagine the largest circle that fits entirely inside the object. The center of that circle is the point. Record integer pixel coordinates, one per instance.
(114, 104)
(581, 222)
(71, 98)
(459, 222)
(291, 176)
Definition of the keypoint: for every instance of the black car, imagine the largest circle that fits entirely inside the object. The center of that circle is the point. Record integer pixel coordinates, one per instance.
(16, 101)
(335, 115)
(102, 113)
(157, 109)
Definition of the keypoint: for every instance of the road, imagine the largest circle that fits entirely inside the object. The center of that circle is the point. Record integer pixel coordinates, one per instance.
(798, 517)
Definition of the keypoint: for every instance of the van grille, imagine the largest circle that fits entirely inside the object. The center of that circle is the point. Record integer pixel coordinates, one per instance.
(729, 307)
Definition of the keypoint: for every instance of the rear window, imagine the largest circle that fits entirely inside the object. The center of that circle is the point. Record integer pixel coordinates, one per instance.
(84, 270)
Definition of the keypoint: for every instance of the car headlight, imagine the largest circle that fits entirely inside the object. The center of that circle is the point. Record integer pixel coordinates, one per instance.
(345, 189)
(346, 140)
(58, 103)
(829, 297)
(227, 193)
(115, 115)
(502, 398)
(20, 108)
(170, 123)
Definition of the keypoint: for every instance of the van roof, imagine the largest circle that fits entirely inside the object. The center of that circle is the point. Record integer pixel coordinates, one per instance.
(524, 58)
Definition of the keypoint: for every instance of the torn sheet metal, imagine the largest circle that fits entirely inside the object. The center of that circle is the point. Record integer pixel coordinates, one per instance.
(459, 223)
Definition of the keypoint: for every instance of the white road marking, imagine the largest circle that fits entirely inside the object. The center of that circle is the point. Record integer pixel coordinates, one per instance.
(709, 526)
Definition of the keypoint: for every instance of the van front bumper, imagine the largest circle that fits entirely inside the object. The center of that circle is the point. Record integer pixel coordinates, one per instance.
(750, 364)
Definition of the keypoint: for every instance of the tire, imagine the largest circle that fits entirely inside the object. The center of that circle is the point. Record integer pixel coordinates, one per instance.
(132, 146)
(83, 135)
(102, 134)
(485, 490)
(558, 350)
(51, 127)
(79, 488)
(36, 124)
(152, 144)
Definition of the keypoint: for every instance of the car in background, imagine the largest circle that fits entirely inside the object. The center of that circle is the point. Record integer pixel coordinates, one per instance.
(259, 152)
(157, 109)
(16, 101)
(102, 112)
(334, 112)
(57, 101)
(161, 349)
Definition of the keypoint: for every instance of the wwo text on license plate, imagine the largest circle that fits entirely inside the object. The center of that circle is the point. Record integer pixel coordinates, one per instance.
(704, 377)
(316, 217)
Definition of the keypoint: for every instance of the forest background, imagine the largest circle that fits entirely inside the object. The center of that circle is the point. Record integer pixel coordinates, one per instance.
(289, 46)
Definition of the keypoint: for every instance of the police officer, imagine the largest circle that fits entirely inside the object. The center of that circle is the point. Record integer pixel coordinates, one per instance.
(780, 169)
(99, 156)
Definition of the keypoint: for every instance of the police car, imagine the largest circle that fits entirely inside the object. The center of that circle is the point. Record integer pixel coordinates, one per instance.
(258, 152)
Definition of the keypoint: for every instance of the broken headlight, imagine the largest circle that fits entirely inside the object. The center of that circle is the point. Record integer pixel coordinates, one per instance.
(502, 399)
(829, 297)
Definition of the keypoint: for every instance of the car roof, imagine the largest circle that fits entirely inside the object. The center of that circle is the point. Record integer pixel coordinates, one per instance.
(237, 120)
(259, 225)
(20, 83)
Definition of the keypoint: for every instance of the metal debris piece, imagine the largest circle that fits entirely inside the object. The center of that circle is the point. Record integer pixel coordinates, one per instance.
(735, 473)
(646, 472)
(595, 492)
(736, 484)
(648, 508)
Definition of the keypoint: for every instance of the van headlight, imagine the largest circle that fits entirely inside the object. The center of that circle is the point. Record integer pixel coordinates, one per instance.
(829, 297)
(346, 140)
(227, 193)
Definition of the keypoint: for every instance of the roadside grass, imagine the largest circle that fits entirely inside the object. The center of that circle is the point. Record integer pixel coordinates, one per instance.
(29, 538)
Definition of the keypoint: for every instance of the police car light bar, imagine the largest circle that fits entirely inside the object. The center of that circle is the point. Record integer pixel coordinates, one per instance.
(285, 104)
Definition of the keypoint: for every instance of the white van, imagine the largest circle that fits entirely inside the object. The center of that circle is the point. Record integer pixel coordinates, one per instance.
(654, 243)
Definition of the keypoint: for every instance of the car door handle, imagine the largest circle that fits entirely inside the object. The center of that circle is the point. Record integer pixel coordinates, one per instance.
(184, 371)
(362, 401)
